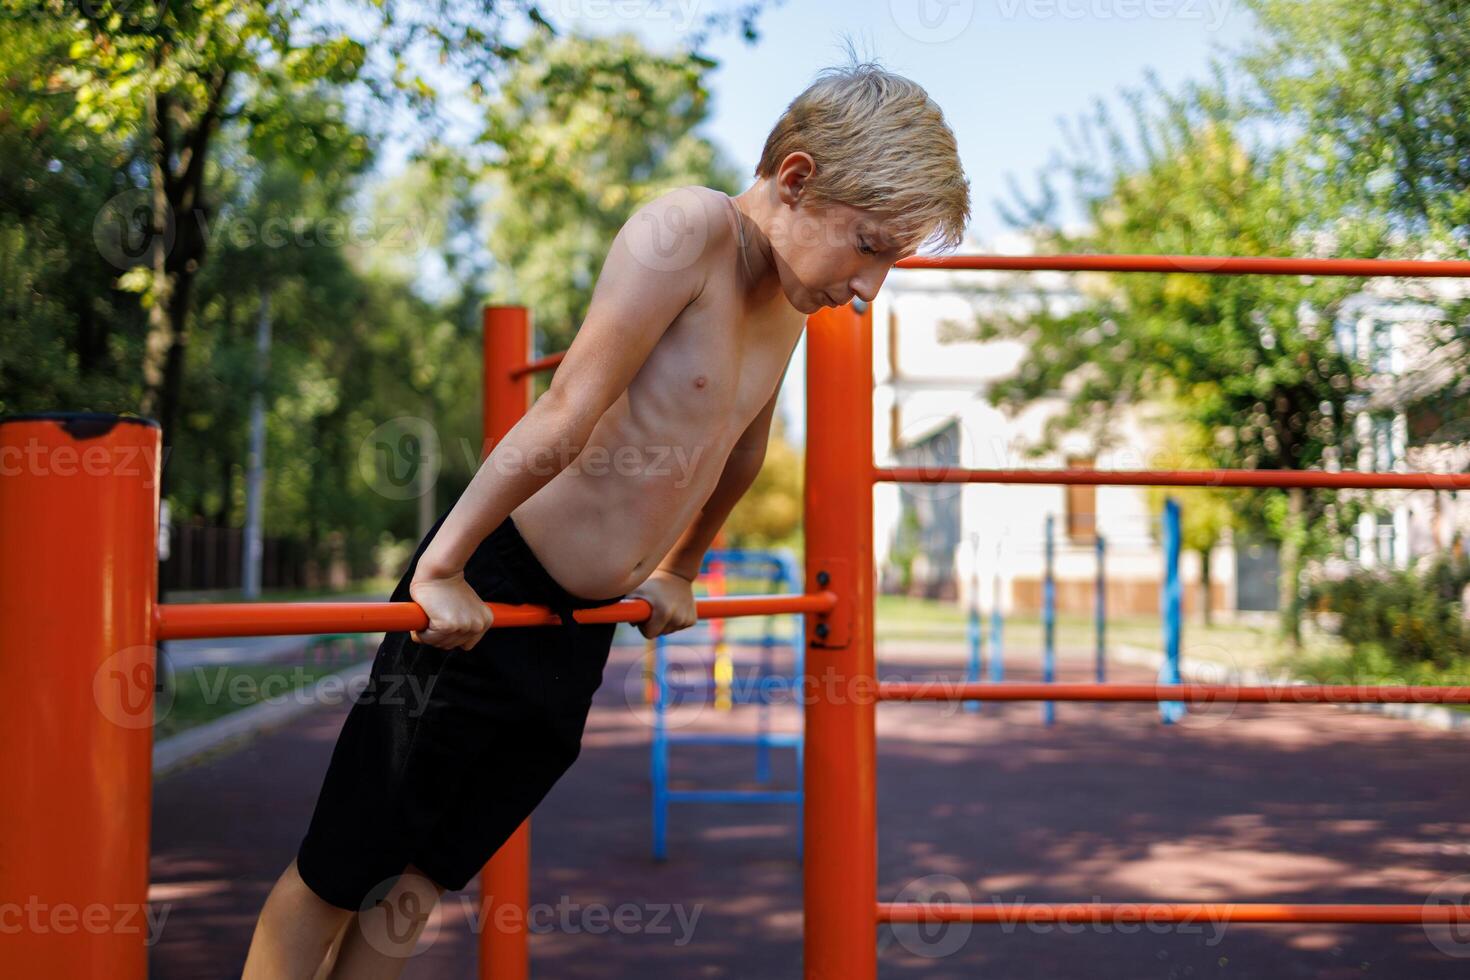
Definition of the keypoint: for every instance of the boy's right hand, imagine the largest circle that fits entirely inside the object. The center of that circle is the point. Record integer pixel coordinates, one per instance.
(672, 599)
(458, 617)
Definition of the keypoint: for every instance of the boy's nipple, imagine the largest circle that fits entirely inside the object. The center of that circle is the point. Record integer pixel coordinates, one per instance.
(699, 381)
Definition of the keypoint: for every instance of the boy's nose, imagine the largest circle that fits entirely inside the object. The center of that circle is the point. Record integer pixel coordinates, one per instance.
(866, 286)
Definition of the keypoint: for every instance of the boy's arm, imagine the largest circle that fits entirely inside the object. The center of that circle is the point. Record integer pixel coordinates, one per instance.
(634, 302)
(741, 469)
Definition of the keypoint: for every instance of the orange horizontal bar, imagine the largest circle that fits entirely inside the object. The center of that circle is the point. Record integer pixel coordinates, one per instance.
(1178, 478)
(1227, 265)
(547, 363)
(947, 690)
(1037, 913)
(175, 621)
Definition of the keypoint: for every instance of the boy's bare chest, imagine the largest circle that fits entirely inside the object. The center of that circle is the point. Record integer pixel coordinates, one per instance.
(722, 363)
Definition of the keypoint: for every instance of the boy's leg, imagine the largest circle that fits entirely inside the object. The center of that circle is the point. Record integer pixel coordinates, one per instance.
(294, 932)
(324, 971)
(378, 943)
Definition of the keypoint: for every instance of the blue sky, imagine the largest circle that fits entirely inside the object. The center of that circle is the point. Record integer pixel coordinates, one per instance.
(1004, 71)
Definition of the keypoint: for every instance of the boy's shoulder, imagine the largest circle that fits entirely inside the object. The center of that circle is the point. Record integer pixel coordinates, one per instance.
(682, 227)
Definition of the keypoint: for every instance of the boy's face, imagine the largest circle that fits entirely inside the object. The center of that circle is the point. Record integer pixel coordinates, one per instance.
(827, 254)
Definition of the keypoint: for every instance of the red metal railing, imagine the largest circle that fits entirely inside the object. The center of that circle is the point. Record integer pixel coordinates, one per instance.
(1220, 265)
(77, 579)
(840, 874)
(940, 690)
(1340, 480)
(1089, 913)
(547, 363)
(175, 621)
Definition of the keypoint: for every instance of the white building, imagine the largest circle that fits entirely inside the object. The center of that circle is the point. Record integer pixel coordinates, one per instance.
(1407, 423)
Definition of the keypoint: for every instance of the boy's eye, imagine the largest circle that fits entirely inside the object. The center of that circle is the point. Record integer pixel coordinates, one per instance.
(865, 248)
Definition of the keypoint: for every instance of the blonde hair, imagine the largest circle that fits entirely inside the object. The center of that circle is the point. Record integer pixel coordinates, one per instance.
(880, 144)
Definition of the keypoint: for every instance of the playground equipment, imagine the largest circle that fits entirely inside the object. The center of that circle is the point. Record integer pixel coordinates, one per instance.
(759, 688)
(842, 910)
(1171, 604)
(79, 620)
(975, 662)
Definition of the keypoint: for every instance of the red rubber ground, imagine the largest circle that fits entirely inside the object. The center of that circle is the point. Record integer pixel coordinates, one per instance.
(1291, 804)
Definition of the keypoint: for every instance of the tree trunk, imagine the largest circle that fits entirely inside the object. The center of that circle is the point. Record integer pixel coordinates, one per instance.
(221, 517)
(1292, 541)
(177, 182)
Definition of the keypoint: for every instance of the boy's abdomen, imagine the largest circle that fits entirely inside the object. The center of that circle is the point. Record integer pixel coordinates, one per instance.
(601, 526)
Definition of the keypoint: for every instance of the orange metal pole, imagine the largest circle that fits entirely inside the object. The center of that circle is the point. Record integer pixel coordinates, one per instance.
(78, 575)
(192, 621)
(841, 865)
(944, 690)
(547, 363)
(1087, 913)
(505, 881)
(1342, 480)
(1230, 265)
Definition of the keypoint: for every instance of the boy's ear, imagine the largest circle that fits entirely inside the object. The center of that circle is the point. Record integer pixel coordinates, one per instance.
(792, 175)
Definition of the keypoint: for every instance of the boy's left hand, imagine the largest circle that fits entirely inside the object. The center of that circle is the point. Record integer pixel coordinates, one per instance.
(672, 599)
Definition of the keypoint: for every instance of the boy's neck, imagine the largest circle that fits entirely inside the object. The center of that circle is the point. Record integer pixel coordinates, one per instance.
(758, 258)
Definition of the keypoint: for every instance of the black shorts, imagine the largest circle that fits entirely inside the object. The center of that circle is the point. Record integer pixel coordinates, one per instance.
(446, 752)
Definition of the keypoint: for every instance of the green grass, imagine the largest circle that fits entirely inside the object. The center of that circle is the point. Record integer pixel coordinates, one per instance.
(204, 693)
(1371, 665)
(1243, 646)
(1323, 658)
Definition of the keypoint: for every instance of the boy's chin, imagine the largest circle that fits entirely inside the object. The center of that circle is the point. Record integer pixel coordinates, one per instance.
(804, 303)
(809, 302)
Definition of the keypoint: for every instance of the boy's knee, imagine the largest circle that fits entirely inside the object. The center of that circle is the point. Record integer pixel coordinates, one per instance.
(393, 924)
(299, 898)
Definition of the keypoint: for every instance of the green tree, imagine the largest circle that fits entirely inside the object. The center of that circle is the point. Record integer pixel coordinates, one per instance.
(171, 75)
(1375, 90)
(1373, 96)
(68, 336)
(1249, 359)
(588, 130)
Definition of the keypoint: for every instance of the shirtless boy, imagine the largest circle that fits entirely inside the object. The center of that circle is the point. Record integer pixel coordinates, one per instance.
(692, 323)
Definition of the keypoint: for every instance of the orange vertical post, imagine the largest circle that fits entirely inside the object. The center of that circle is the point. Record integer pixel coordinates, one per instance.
(78, 576)
(841, 816)
(505, 881)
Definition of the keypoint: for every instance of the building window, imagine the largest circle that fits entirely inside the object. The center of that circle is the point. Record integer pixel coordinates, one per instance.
(1081, 505)
(1345, 330)
(1380, 347)
(1383, 541)
(1384, 457)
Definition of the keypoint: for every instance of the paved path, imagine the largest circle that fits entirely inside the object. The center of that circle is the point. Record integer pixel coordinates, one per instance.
(1297, 804)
